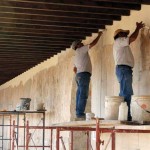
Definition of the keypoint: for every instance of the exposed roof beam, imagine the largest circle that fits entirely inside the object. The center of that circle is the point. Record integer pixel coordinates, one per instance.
(145, 1)
(33, 39)
(35, 44)
(46, 7)
(49, 27)
(80, 3)
(58, 14)
(57, 24)
(44, 35)
(121, 1)
(126, 1)
(54, 38)
(3, 45)
(42, 31)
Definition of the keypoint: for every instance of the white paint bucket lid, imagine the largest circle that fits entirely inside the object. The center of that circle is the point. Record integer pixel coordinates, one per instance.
(134, 97)
(114, 98)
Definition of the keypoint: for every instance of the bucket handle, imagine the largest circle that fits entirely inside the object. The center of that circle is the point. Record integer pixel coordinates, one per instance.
(141, 107)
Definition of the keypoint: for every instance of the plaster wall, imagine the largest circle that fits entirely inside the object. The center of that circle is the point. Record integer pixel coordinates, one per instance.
(52, 82)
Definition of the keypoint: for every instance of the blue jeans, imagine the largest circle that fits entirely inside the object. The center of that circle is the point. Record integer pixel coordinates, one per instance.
(124, 75)
(82, 80)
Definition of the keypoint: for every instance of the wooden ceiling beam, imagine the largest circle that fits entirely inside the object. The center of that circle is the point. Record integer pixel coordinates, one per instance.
(44, 31)
(61, 24)
(27, 60)
(145, 2)
(126, 1)
(78, 3)
(53, 38)
(12, 40)
(121, 1)
(34, 44)
(90, 6)
(3, 45)
(58, 14)
(38, 17)
(34, 39)
(50, 27)
(25, 53)
(35, 32)
(44, 36)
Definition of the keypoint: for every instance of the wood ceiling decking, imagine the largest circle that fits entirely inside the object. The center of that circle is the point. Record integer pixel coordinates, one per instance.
(33, 30)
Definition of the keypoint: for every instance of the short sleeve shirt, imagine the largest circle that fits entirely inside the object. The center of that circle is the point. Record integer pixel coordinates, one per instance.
(122, 52)
(82, 60)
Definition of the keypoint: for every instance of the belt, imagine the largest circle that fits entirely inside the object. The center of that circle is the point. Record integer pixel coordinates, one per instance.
(84, 73)
(124, 66)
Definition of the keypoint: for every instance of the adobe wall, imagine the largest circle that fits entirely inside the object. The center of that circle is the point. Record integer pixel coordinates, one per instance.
(52, 82)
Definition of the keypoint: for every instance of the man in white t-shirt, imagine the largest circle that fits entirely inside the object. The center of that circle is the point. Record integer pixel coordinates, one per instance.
(124, 62)
(83, 70)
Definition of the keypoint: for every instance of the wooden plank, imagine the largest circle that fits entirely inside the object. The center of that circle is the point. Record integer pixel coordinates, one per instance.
(58, 14)
(49, 27)
(80, 3)
(51, 5)
(34, 39)
(44, 33)
(34, 44)
(145, 2)
(54, 38)
(26, 16)
(5, 45)
(122, 1)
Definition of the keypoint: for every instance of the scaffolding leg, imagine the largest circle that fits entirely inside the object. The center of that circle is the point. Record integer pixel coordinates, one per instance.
(87, 140)
(51, 140)
(10, 131)
(13, 135)
(57, 138)
(97, 135)
(27, 136)
(89, 145)
(71, 144)
(113, 140)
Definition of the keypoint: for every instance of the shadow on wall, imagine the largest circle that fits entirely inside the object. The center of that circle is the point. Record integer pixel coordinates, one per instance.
(145, 48)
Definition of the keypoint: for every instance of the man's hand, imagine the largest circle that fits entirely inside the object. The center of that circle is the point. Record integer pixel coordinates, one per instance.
(96, 40)
(75, 69)
(100, 33)
(140, 25)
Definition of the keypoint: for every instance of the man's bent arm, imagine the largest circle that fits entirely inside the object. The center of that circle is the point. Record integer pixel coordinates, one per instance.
(96, 40)
(134, 35)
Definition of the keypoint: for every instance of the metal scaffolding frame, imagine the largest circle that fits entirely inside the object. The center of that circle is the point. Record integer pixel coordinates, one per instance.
(60, 129)
(15, 133)
(2, 126)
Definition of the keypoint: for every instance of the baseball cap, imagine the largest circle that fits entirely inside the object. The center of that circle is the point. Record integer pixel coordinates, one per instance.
(121, 30)
(75, 43)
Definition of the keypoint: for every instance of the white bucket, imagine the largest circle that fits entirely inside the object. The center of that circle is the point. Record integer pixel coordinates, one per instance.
(89, 116)
(139, 106)
(123, 111)
(112, 104)
(40, 106)
(25, 103)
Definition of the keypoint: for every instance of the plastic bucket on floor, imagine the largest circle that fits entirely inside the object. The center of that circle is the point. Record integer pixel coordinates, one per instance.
(89, 116)
(112, 104)
(140, 108)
